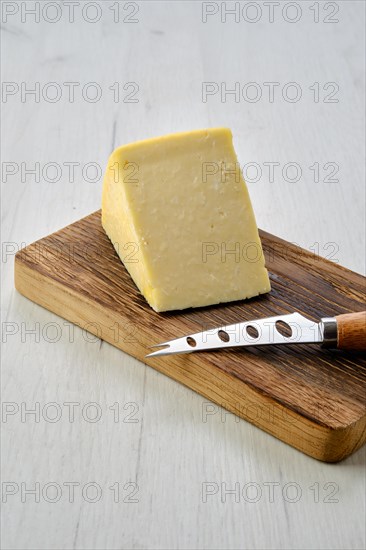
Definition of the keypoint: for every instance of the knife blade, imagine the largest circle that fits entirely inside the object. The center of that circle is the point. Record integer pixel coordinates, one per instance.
(347, 331)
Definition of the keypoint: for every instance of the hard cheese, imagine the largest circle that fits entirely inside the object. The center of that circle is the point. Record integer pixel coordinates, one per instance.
(178, 213)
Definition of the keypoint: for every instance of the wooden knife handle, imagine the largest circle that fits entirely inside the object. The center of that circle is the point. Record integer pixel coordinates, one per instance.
(351, 331)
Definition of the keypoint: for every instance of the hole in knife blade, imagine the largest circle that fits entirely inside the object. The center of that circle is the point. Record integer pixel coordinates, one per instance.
(223, 336)
(191, 342)
(252, 331)
(284, 329)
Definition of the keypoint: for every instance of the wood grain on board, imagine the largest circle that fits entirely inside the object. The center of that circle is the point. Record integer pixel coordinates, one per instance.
(309, 397)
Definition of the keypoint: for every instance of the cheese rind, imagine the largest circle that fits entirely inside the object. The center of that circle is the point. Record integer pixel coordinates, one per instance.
(178, 213)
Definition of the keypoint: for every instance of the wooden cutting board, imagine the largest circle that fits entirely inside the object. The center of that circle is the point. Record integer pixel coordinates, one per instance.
(310, 398)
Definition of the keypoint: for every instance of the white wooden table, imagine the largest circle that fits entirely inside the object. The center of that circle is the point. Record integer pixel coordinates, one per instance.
(117, 455)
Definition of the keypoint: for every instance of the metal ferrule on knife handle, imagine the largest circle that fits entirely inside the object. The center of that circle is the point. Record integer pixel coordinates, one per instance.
(346, 331)
(329, 329)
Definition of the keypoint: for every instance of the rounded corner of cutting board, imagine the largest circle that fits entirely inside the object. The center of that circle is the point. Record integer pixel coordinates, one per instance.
(340, 443)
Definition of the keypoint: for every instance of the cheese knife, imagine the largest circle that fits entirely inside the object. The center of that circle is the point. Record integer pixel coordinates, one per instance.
(347, 332)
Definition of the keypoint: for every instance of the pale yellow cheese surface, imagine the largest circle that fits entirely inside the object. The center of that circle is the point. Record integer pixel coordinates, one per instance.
(178, 213)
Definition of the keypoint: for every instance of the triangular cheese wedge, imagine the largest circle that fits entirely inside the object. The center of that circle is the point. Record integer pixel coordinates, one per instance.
(178, 213)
